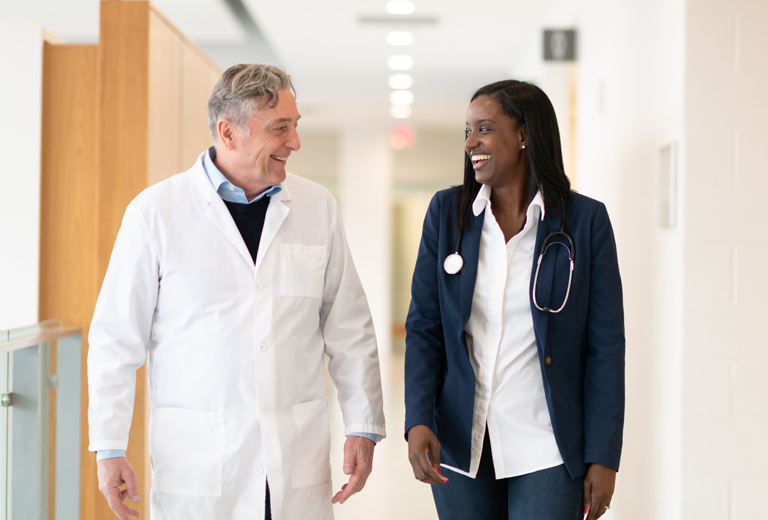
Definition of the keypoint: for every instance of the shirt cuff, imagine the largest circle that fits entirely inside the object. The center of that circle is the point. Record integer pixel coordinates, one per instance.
(371, 436)
(109, 454)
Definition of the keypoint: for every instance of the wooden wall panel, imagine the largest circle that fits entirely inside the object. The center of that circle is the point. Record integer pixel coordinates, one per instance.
(198, 80)
(68, 206)
(123, 165)
(164, 106)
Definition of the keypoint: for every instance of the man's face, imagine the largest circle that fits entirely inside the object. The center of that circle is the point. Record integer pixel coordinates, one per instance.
(272, 138)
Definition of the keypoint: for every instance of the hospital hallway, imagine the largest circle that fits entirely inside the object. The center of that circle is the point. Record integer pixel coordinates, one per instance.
(391, 492)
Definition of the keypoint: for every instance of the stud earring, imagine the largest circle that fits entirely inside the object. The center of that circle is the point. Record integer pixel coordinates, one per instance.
(523, 147)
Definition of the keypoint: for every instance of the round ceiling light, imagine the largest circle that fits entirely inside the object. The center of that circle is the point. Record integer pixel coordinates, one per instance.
(400, 7)
(400, 112)
(400, 62)
(401, 98)
(400, 81)
(400, 38)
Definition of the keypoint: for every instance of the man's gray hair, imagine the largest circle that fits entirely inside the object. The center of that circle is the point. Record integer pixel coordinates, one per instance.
(239, 91)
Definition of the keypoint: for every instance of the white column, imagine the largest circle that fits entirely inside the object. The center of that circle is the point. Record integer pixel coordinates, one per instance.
(21, 87)
(365, 193)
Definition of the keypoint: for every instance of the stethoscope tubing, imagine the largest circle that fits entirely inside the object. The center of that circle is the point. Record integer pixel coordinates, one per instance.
(454, 262)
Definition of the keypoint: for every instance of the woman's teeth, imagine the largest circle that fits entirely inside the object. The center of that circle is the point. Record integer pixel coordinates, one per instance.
(477, 159)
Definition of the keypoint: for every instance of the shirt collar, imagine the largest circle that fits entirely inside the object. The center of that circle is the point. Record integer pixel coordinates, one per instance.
(226, 190)
(483, 199)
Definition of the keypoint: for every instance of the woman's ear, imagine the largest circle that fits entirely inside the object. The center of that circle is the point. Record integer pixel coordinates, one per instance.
(522, 134)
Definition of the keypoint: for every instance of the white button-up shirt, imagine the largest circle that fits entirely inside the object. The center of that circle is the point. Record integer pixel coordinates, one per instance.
(509, 389)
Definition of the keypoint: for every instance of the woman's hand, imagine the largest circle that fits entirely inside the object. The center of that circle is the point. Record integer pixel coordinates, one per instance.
(421, 441)
(598, 490)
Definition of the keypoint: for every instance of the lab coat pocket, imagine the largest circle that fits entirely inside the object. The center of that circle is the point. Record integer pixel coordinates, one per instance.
(312, 457)
(302, 271)
(187, 451)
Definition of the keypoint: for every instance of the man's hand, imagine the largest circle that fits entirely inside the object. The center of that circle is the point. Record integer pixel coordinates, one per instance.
(598, 490)
(358, 462)
(113, 474)
(421, 441)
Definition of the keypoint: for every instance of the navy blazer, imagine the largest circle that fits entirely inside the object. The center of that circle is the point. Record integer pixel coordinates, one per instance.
(584, 344)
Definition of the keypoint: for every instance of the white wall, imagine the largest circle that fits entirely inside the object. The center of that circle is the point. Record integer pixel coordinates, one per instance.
(630, 104)
(365, 193)
(725, 415)
(694, 72)
(21, 63)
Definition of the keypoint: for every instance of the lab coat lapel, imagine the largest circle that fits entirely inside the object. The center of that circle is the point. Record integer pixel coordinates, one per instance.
(216, 211)
(546, 278)
(277, 212)
(470, 251)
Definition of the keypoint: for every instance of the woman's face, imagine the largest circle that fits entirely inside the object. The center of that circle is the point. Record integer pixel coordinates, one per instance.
(495, 143)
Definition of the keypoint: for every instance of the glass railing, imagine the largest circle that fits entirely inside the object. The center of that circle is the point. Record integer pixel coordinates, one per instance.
(40, 381)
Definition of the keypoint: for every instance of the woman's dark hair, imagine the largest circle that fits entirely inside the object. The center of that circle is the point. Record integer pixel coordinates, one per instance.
(528, 105)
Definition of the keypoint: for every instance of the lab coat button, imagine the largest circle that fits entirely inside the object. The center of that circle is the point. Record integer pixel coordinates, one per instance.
(547, 360)
(259, 288)
(262, 347)
(258, 470)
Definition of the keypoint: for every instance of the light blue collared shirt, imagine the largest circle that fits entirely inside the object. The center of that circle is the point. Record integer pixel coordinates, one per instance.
(230, 193)
(226, 189)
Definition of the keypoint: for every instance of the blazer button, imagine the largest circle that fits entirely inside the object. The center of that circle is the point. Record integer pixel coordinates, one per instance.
(547, 360)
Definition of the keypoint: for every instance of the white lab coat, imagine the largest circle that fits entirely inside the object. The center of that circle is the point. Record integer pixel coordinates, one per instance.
(236, 375)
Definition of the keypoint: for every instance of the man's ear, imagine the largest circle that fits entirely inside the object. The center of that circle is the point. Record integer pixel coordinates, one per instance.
(227, 133)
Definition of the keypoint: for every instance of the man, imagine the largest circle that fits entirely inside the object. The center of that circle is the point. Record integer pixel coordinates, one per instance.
(236, 279)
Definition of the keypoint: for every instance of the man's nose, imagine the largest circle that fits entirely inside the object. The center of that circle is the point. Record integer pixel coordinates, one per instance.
(293, 142)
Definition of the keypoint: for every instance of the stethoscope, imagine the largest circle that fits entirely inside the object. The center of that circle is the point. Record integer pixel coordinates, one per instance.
(454, 262)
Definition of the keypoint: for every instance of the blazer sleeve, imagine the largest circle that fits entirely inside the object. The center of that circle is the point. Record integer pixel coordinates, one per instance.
(604, 375)
(120, 332)
(425, 345)
(350, 341)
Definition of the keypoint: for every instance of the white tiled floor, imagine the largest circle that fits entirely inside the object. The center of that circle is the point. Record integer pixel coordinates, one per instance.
(391, 493)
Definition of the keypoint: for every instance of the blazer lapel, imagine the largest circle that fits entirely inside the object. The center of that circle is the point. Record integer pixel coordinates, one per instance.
(277, 212)
(470, 251)
(546, 278)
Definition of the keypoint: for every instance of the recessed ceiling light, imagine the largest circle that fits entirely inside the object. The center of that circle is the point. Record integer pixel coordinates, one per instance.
(400, 81)
(400, 7)
(400, 62)
(400, 38)
(401, 98)
(399, 112)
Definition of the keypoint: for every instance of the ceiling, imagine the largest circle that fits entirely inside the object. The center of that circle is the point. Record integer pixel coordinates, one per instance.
(339, 65)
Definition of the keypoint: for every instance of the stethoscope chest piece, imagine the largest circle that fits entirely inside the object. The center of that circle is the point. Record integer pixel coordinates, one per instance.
(453, 263)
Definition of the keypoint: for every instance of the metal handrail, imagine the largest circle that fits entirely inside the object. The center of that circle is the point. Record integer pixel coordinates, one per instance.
(27, 387)
(44, 333)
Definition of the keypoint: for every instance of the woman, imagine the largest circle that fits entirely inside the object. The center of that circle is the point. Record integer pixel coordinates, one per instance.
(514, 365)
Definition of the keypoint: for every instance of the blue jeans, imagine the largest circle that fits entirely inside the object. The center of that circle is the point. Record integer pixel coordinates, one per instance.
(549, 494)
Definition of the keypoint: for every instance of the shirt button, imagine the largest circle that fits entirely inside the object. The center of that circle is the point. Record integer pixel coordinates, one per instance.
(259, 288)
(264, 410)
(547, 360)
(231, 189)
(262, 347)
(258, 470)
